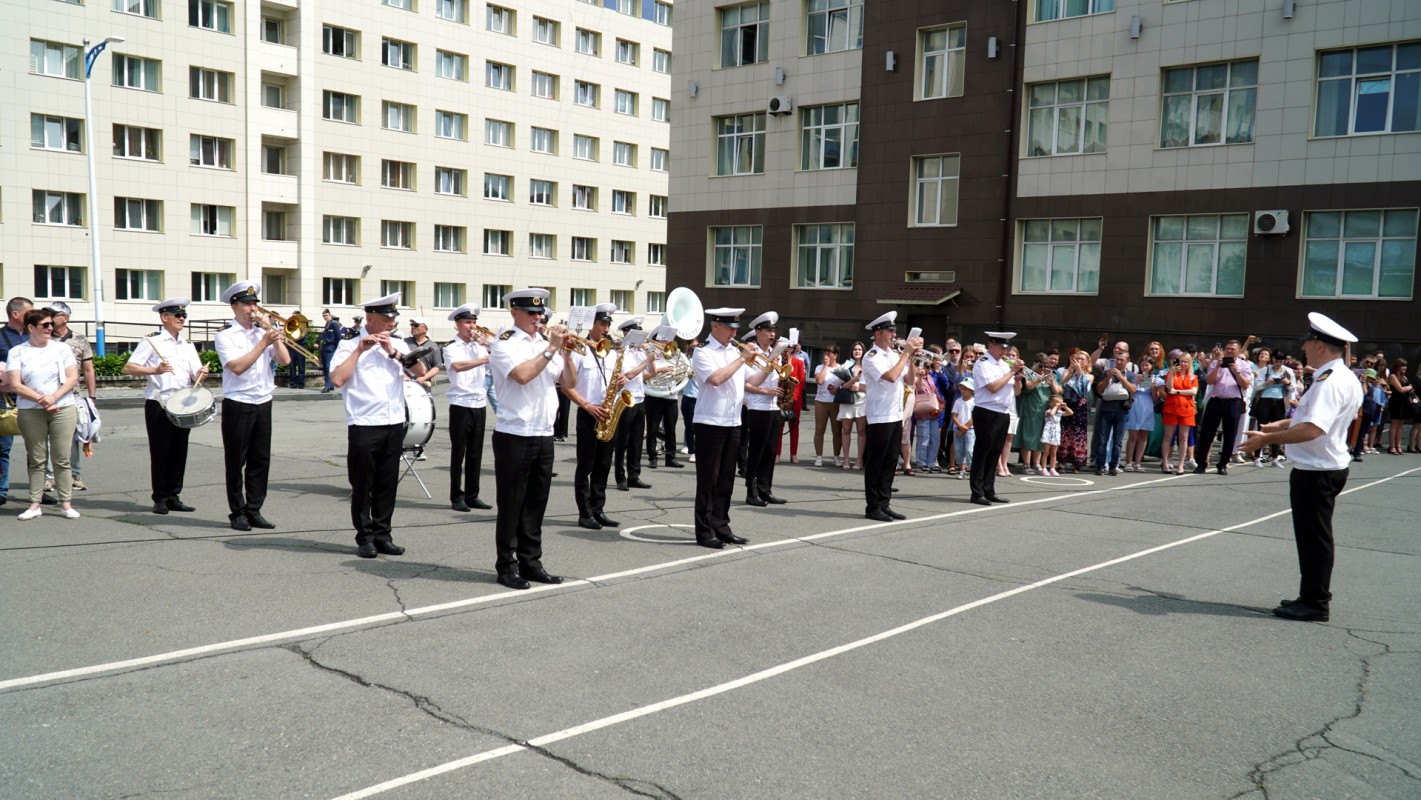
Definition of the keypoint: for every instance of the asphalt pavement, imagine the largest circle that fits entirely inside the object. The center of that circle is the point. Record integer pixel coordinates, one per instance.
(1096, 637)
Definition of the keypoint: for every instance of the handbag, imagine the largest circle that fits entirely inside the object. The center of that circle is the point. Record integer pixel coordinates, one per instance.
(9, 417)
(843, 395)
(925, 399)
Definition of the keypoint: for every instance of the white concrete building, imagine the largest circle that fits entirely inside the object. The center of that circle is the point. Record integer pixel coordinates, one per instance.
(336, 150)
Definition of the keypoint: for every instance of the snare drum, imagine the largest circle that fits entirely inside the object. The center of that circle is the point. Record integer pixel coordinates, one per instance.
(192, 407)
(419, 416)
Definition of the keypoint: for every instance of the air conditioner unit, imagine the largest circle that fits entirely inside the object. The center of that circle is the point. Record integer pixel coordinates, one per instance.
(781, 105)
(1270, 223)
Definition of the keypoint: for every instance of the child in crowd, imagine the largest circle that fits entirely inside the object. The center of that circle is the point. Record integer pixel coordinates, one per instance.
(1051, 433)
(963, 437)
(1373, 404)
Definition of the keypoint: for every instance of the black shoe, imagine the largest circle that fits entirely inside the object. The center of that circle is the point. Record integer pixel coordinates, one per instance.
(730, 538)
(1099, 471)
(512, 580)
(4, 499)
(160, 507)
(258, 521)
(1286, 603)
(240, 523)
(1302, 612)
(538, 574)
(1223, 469)
(991, 498)
(774, 501)
(559, 438)
(47, 499)
(177, 505)
(554, 475)
(605, 521)
(389, 548)
(981, 501)
(878, 516)
(459, 505)
(893, 514)
(367, 550)
(588, 523)
(326, 390)
(1113, 472)
(758, 502)
(652, 463)
(479, 504)
(714, 544)
(638, 483)
(622, 486)
(1199, 470)
(674, 464)
(740, 473)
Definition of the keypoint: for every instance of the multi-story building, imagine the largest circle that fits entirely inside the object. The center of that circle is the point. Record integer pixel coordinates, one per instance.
(336, 150)
(1151, 168)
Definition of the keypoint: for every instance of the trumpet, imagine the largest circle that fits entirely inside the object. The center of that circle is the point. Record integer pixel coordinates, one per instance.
(761, 360)
(572, 343)
(293, 327)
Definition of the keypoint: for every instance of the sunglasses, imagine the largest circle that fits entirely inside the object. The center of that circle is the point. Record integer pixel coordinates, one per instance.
(955, 351)
(46, 325)
(178, 314)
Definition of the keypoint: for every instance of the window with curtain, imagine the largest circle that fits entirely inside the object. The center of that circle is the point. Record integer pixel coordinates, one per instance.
(1209, 104)
(735, 259)
(740, 144)
(1362, 254)
(1067, 117)
(825, 256)
(1369, 90)
(832, 26)
(935, 180)
(1060, 255)
(829, 136)
(1201, 254)
(744, 34)
(1047, 10)
(942, 61)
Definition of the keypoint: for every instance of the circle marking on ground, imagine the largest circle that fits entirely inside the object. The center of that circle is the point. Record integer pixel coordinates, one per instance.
(1060, 481)
(630, 533)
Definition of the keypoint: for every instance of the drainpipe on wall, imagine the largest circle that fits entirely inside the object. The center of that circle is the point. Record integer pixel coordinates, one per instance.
(1009, 170)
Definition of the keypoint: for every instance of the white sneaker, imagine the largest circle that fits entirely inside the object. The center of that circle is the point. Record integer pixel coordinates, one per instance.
(684, 451)
(69, 513)
(1279, 464)
(30, 513)
(961, 475)
(819, 461)
(692, 459)
(1258, 462)
(838, 461)
(1191, 464)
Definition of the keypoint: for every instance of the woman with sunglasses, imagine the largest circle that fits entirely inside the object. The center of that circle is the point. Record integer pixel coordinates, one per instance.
(43, 374)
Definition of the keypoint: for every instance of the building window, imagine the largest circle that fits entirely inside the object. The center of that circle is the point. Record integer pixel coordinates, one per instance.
(941, 62)
(210, 14)
(656, 206)
(829, 137)
(661, 61)
(274, 226)
(660, 110)
(1199, 255)
(628, 52)
(397, 54)
(1369, 90)
(659, 159)
(449, 238)
(340, 230)
(1068, 117)
(584, 249)
(736, 256)
(744, 34)
(825, 256)
(623, 202)
(58, 208)
(656, 255)
(543, 140)
(131, 72)
(396, 234)
(498, 187)
(209, 84)
(545, 85)
(1360, 254)
(497, 243)
(451, 125)
(542, 193)
(340, 168)
(545, 31)
(834, 25)
(211, 151)
(629, 7)
(340, 107)
(135, 214)
(493, 294)
(397, 174)
(656, 302)
(584, 198)
(498, 133)
(584, 147)
(340, 42)
(338, 291)
(451, 180)
(498, 76)
(448, 295)
(56, 133)
(624, 102)
(142, 8)
(210, 220)
(272, 95)
(452, 10)
(273, 159)
(583, 297)
(585, 94)
(59, 283)
(935, 190)
(404, 5)
(207, 287)
(138, 284)
(1060, 255)
(542, 245)
(273, 30)
(622, 252)
(623, 154)
(661, 13)
(624, 300)
(500, 20)
(740, 144)
(1047, 10)
(588, 43)
(453, 66)
(1212, 104)
(397, 117)
(131, 141)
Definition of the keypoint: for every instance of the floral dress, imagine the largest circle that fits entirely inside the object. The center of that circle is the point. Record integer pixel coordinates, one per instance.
(1075, 444)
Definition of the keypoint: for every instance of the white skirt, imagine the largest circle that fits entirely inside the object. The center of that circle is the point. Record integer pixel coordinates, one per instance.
(855, 410)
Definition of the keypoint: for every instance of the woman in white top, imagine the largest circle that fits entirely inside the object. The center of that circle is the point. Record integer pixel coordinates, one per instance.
(44, 374)
(826, 411)
(854, 415)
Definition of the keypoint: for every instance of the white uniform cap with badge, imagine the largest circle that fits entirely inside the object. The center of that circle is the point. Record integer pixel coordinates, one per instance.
(883, 322)
(466, 311)
(387, 306)
(634, 322)
(602, 312)
(725, 316)
(769, 319)
(242, 292)
(1322, 328)
(749, 336)
(172, 305)
(1000, 337)
(534, 301)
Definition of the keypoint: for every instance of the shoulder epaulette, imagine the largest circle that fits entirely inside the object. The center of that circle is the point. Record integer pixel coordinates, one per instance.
(505, 335)
(1323, 376)
(155, 333)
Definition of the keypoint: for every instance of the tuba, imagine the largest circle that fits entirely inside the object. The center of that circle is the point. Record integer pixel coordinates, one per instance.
(614, 403)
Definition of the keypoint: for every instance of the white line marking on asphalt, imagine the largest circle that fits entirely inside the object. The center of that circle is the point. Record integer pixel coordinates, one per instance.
(630, 533)
(1061, 481)
(789, 666)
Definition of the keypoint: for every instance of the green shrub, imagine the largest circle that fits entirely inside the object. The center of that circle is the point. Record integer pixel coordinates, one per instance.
(111, 365)
(210, 360)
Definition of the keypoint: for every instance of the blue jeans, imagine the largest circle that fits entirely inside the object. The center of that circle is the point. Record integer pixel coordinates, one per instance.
(5, 442)
(926, 433)
(326, 355)
(962, 444)
(1111, 425)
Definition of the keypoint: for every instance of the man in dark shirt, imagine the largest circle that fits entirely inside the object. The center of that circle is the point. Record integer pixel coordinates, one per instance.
(12, 333)
(434, 359)
(330, 337)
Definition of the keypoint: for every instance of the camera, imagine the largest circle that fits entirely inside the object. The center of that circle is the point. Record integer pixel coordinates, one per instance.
(1226, 361)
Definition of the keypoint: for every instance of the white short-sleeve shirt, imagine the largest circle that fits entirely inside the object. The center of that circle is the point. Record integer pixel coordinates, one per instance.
(885, 398)
(466, 389)
(717, 405)
(764, 402)
(256, 384)
(636, 385)
(375, 393)
(182, 355)
(43, 370)
(525, 409)
(1331, 403)
(986, 370)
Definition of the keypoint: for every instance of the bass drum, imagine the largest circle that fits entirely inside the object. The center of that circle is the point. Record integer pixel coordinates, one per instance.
(419, 416)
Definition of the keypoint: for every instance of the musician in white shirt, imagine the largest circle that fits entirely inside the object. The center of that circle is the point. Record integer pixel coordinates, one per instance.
(636, 367)
(885, 372)
(994, 377)
(594, 457)
(170, 364)
(762, 419)
(467, 359)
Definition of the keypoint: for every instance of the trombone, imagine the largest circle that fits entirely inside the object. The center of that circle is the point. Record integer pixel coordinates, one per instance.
(294, 327)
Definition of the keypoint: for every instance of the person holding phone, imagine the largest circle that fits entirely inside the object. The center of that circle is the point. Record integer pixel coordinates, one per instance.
(1270, 400)
(1229, 377)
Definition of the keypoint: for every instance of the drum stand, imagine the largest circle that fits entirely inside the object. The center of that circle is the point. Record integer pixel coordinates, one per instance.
(408, 457)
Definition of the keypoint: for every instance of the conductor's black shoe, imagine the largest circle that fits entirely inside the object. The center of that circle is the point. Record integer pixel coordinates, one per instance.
(605, 521)
(622, 486)
(674, 464)
(538, 574)
(239, 523)
(1223, 469)
(894, 514)
(758, 502)
(981, 501)
(512, 580)
(878, 516)
(258, 521)
(389, 548)
(714, 544)
(459, 505)
(588, 523)
(177, 505)
(991, 498)
(730, 538)
(774, 501)
(638, 483)
(479, 504)
(366, 550)
(160, 507)
(1301, 612)
(1199, 470)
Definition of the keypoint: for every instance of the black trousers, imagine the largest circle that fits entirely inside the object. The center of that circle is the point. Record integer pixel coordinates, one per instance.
(560, 421)
(372, 460)
(523, 472)
(296, 373)
(167, 452)
(628, 441)
(743, 454)
(991, 427)
(716, 446)
(466, 435)
(880, 459)
(246, 444)
(764, 430)
(688, 413)
(1217, 410)
(1313, 494)
(661, 416)
(594, 461)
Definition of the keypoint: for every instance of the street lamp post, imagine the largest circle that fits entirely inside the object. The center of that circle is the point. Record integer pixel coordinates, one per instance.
(91, 55)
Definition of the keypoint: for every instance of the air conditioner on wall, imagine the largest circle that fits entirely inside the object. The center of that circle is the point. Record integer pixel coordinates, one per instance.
(780, 105)
(1270, 223)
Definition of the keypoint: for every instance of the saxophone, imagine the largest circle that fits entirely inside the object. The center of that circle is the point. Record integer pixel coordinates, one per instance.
(787, 382)
(614, 403)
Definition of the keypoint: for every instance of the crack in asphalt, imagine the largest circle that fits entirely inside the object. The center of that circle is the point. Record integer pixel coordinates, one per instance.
(427, 706)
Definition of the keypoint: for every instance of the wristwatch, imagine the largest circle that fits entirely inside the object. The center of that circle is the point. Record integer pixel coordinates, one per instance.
(548, 354)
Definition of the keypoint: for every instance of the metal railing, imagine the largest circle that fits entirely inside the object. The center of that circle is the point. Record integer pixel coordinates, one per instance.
(122, 337)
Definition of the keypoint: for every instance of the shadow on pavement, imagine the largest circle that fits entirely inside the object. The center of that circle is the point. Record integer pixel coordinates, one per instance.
(1159, 604)
(397, 568)
(286, 543)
